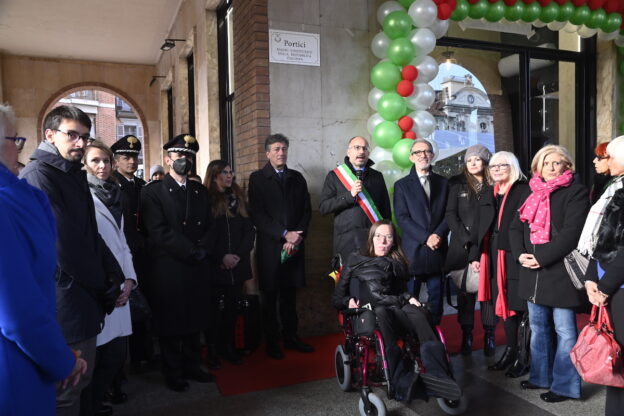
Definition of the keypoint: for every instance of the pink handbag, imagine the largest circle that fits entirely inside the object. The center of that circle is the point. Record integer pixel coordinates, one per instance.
(597, 356)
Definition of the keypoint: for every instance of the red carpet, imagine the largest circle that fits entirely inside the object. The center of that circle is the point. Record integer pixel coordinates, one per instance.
(261, 373)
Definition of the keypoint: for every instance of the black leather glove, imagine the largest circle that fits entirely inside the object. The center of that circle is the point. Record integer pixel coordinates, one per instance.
(109, 297)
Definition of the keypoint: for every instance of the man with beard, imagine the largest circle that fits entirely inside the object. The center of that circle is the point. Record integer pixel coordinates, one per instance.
(176, 220)
(88, 277)
(357, 196)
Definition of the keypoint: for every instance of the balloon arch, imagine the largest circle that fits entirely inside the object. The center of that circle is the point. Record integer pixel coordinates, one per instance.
(401, 93)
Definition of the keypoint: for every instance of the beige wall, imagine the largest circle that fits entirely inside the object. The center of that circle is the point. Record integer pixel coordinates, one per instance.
(606, 92)
(196, 22)
(31, 84)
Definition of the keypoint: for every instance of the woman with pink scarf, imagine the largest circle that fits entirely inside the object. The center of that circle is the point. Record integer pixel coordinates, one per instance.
(547, 229)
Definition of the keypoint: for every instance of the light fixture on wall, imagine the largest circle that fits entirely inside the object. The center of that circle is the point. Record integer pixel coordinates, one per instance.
(448, 57)
(170, 44)
(154, 78)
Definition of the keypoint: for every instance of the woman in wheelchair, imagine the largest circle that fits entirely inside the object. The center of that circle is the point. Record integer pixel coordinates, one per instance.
(377, 279)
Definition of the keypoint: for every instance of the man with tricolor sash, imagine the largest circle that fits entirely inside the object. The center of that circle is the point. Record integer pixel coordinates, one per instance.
(357, 196)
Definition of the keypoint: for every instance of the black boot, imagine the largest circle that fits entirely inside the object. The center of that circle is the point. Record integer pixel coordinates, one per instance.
(466, 346)
(508, 357)
(489, 343)
(518, 369)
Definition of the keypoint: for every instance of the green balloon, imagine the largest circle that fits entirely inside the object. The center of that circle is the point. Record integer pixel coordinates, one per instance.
(622, 127)
(479, 9)
(622, 107)
(549, 13)
(385, 76)
(496, 11)
(386, 134)
(620, 50)
(597, 18)
(514, 12)
(622, 68)
(461, 10)
(401, 51)
(397, 24)
(391, 106)
(406, 3)
(566, 10)
(531, 12)
(613, 23)
(401, 153)
(580, 15)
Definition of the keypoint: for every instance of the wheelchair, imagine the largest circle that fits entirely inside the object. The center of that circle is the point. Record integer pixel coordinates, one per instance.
(361, 364)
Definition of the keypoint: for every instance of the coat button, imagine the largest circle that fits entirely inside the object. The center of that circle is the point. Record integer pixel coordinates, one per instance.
(198, 222)
(170, 190)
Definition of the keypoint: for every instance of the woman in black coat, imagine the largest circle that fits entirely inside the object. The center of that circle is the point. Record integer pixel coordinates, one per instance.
(230, 264)
(547, 229)
(491, 253)
(465, 191)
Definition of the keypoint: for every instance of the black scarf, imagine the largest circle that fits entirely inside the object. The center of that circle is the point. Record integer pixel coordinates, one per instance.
(109, 193)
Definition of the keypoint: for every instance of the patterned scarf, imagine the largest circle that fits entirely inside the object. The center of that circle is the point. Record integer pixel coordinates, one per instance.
(536, 209)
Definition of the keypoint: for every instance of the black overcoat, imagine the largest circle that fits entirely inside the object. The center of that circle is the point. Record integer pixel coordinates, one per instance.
(418, 218)
(550, 285)
(351, 224)
(277, 205)
(130, 203)
(177, 222)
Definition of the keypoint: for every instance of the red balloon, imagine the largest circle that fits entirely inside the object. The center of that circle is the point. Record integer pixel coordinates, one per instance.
(444, 11)
(561, 2)
(405, 88)
(452, 4)
(595, 4)
(473, 1)
(544, 3)
(438, 1)
(409, 135)
(528, 1)
(409, 73)
(578, 3)
(492, 1)
(406, 123)
(611, 6)
(510, 3)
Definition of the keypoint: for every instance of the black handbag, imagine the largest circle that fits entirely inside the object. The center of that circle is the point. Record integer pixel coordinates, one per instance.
(140, 310)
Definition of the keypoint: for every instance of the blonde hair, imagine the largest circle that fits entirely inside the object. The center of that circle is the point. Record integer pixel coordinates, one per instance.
(615, 149)
(538, 160)
(515, 173)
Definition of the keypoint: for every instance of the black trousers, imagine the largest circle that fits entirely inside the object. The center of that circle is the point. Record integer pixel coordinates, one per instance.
(140, 342)
(282, 302)
(465, 314)
(615, 396)
(395, 322)
(180, 355)
(225, 298)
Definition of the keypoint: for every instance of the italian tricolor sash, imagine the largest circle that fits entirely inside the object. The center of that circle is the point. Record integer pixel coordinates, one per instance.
(364, 200)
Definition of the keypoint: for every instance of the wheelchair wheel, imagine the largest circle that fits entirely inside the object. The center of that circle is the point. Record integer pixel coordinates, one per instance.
(378, 407)
(343, 369)
(453, 407)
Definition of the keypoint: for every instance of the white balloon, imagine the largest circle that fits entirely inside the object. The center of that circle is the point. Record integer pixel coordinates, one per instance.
(418, 59)
(570, 28)
(556, 26)
(391, 171)
(423, 13)
(372, 122)
(386, 8)
(424, 123)
(586, 32)
(422, 98)
(379, 153)
(373, 97)
(538, 23)
(608, 36)
(423, 40)
(380, 44)
(619, 40)
(439, 28)
(427, 70)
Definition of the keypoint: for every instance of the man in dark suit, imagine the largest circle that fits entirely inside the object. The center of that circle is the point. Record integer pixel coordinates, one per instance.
(280, 209)
(177, 222)
(343, 196)
(419, 206)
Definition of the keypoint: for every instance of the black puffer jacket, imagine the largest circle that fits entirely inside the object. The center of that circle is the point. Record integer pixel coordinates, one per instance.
(380, 281)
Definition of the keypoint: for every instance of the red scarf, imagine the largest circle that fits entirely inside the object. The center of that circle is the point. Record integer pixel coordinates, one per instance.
(485, 291)
(536, 209)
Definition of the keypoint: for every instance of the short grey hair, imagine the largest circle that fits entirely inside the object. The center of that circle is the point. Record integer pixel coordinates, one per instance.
(7, 118)
(423, 141)
(615, 149)
(515, 173)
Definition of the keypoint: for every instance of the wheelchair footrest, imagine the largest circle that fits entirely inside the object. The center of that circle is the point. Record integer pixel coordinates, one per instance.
(446, 387)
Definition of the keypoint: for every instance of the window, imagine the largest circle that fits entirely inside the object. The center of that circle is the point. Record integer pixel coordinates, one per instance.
(225, 35)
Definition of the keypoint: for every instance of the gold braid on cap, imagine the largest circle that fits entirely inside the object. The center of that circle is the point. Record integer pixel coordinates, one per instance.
(189, 139)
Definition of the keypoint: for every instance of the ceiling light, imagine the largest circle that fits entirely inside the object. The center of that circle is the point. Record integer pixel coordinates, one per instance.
(170, 44)
(154, 77)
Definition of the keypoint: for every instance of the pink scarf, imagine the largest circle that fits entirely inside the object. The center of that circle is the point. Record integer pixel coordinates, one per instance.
(536, 209)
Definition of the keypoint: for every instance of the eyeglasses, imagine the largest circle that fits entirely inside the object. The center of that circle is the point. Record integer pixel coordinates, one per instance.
(74, 136)
(227, 172)
(555, 164)
(359, 148)
(601, 157)
(19, 141)
(388, 237)
(502, 166)
(422, 153)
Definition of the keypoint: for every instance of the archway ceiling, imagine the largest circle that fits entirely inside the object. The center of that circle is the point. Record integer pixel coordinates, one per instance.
(125, 31)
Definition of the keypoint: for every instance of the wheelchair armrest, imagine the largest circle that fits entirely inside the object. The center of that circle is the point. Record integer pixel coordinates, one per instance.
(353, 311)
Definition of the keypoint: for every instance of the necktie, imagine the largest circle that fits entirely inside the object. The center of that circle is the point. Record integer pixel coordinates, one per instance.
(424, 180)
(280, 174)
(183, 187)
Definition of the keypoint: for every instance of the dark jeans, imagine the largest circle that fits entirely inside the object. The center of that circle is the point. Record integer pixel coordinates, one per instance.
(395, 322)
(434, 289)
(180, 355)
(283, 302)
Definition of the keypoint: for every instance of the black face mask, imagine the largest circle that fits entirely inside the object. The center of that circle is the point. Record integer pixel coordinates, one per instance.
(182, 166)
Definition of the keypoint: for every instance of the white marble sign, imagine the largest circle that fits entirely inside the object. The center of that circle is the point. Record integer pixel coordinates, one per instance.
(295, 48)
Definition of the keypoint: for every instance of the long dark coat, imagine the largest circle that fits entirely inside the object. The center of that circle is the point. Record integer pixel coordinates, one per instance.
(276, 206)
(550, 285)
(419, 218)
(351, 224)
(85, 264)
(179, 285)
(130, 203)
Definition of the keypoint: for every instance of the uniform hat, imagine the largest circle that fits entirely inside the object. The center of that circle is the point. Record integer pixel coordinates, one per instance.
(127, 145)
(182, 143)
(478, 150)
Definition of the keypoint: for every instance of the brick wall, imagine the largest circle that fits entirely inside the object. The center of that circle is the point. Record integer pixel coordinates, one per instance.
(105, 120)
(251, 73)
